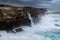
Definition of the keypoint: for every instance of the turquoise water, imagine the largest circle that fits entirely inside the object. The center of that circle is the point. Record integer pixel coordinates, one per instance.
(44, 30)
(53, 35)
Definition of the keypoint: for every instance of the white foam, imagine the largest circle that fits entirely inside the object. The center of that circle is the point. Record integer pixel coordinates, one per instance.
(31, 33)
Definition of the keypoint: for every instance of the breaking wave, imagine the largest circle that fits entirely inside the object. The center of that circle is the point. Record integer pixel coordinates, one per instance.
(44, 30)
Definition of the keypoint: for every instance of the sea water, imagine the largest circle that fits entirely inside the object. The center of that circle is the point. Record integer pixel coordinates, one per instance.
(44, 30)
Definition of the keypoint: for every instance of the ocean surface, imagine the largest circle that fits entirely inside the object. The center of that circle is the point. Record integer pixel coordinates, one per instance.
(48, 28)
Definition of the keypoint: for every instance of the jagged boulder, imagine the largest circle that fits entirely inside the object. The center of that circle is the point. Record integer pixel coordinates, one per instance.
(12, 17)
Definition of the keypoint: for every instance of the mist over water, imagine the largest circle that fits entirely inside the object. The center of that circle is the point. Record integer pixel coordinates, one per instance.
(44, 30)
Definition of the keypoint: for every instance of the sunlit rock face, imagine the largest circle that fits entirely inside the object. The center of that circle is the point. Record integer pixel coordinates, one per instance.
(12, 17)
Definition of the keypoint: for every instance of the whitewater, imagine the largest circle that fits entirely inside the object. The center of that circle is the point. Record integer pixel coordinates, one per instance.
(45, 29)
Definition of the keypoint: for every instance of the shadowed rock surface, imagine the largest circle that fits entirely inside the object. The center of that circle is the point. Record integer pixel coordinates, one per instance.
(12, 17)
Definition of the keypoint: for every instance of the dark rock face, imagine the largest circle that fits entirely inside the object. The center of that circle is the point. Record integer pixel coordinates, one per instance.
(19, 30)
(36, 13)
(12, 17)
(57, 25)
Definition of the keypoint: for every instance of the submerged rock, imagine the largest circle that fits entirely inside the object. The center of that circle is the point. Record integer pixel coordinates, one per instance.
(19, 30)
(12, 17)
(58, 25)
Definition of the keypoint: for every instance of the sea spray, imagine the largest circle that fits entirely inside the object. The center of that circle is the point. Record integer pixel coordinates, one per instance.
(45, 30)
(29, 15)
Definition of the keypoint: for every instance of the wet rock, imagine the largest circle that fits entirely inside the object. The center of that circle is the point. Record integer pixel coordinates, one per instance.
(12, 16)
(36, 14)
(18, 29)
(57, 25)
(56, 20)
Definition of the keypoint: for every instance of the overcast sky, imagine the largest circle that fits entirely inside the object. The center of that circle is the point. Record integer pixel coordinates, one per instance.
(35, 3)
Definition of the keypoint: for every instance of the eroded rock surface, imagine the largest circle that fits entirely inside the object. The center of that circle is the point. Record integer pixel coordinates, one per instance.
(12, 17)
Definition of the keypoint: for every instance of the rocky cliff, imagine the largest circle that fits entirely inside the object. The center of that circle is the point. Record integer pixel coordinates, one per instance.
(12, 17)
